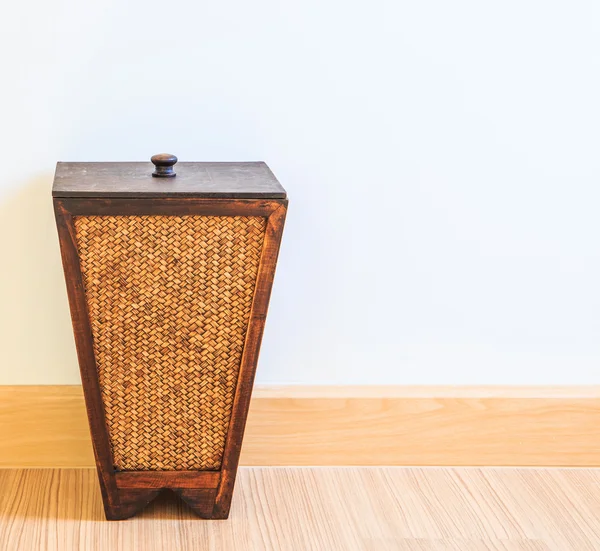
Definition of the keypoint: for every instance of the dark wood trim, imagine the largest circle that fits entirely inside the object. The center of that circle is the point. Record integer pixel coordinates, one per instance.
(169, 206)
(208, 493)
(241, 402)
(168, 479)
(85, 352)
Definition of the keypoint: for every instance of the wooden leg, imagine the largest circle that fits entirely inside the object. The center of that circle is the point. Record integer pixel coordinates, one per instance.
(202, 502)
(224, 495)
(129, 502)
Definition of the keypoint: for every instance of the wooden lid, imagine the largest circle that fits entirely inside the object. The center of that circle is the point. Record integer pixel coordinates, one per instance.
(247, 180)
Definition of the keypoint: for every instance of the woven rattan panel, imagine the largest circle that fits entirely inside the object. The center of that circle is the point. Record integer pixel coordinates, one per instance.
(169, 300)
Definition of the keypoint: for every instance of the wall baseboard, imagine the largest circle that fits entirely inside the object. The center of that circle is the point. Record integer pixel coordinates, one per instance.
(46, 426)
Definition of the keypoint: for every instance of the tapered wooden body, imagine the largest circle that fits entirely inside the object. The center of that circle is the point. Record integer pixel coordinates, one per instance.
(168, 283)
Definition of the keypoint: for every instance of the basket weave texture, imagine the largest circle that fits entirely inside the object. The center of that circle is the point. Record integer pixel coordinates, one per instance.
(169, 301)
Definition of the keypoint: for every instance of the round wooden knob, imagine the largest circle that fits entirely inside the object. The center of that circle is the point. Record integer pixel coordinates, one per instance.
(164, 163)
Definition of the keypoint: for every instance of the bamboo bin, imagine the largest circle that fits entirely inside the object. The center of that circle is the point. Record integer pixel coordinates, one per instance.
(168, 270)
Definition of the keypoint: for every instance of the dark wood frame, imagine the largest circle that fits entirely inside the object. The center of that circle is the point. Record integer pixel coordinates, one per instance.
(208, 493)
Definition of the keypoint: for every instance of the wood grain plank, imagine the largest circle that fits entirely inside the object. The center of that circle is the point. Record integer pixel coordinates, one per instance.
(45, 426)
(363, 508)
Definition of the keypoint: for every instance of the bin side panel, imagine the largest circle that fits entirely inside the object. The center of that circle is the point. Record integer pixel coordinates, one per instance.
(169, 301)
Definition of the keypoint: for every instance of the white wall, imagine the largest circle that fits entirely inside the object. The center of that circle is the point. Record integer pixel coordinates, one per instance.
(442, 160)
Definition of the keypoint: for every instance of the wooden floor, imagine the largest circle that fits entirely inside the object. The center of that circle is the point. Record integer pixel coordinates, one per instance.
(319, 509)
